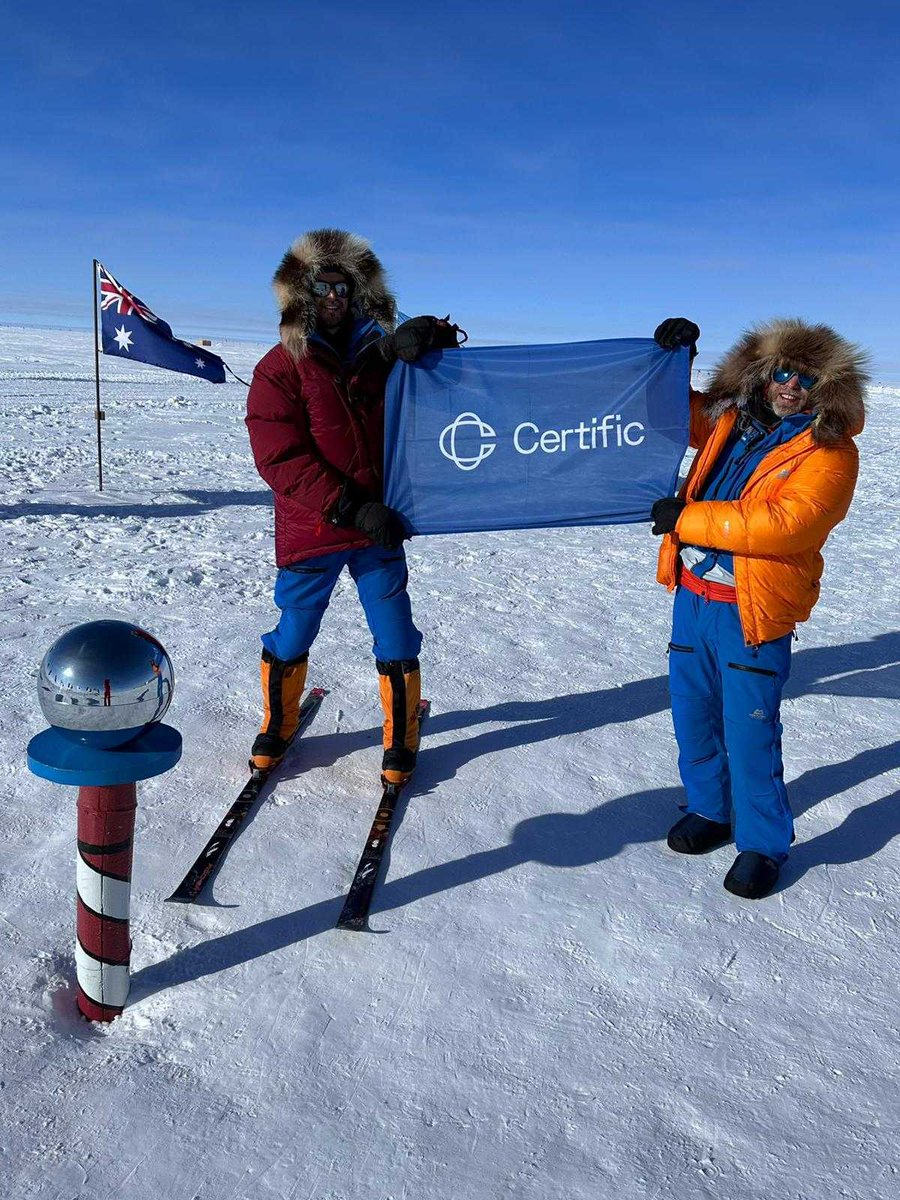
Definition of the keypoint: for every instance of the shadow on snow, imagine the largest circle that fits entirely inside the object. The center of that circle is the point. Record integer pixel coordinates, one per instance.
(571, 840)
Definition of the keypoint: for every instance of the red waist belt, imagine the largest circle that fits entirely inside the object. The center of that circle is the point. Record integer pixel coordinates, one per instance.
(708, 590)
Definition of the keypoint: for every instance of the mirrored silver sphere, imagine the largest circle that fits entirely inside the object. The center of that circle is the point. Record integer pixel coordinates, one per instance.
(104, 681)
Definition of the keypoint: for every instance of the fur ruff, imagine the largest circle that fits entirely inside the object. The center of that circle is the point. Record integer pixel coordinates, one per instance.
(329, 250)
(838, 398)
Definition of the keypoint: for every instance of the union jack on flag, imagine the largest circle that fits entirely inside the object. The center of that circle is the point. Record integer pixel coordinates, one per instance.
(112, 293)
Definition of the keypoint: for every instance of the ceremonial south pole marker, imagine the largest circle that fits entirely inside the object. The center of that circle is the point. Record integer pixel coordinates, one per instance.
(104, 688)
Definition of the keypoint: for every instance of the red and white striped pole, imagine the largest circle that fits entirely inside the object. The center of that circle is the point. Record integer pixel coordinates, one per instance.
(104, 687)
(103, 945)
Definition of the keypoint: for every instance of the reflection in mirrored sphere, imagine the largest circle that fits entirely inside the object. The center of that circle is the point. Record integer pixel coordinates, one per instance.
(104, 681)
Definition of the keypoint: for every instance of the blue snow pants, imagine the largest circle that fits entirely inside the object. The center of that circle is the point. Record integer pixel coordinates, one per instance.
(303, 590)
(726, 698)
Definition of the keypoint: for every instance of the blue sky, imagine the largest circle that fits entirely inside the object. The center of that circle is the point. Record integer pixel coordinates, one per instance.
(545, 172)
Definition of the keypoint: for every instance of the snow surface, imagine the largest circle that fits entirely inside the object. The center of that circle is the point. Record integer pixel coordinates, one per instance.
(555, 1005)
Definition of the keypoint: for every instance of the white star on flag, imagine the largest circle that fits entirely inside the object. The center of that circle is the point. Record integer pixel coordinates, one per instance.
(200, 363)
(123, 337)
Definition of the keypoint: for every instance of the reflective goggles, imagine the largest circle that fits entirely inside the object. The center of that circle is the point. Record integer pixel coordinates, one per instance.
(783, 375)
(321, 288)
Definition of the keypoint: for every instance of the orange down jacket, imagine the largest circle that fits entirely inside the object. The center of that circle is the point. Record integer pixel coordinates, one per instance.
(775, 531)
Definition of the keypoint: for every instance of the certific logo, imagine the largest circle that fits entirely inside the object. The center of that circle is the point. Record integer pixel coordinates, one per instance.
(468, 441)
(478, 452)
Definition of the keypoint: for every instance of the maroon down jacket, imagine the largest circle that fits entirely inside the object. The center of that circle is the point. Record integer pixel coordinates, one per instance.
(314, 423)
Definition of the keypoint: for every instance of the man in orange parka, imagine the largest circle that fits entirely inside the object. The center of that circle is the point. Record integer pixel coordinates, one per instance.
(775, 472)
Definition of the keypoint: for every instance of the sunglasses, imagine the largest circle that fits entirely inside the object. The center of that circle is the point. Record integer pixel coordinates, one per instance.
(782, 375)
(321, 288)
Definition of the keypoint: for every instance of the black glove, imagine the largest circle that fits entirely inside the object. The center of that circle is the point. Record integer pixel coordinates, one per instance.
(382, 524)
(352, 510)
(675, 332)
(418, 335)
(665, 513)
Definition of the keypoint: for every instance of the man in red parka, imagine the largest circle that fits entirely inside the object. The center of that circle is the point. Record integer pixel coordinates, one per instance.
(315, 414)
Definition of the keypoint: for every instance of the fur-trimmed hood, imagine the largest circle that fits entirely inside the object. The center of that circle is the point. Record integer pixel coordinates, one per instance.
(838, 397)
(329, 250)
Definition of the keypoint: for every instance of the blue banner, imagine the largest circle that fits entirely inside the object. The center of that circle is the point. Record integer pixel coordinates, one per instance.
(527, 437)
(129, 329)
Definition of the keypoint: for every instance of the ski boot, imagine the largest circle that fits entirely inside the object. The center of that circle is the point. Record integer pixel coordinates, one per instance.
(282, 687)
(401, 690)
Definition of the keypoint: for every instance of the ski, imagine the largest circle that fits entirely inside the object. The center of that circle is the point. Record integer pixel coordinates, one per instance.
(216, 848)
(355, 913)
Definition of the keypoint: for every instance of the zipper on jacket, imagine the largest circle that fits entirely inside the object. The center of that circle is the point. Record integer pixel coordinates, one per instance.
(782, 457)
(343, 394)
(339, 382)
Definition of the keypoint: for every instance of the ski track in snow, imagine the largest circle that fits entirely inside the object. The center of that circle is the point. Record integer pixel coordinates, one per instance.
(556, 1005)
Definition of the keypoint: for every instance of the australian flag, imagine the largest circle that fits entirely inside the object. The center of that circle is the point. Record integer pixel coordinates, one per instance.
(130, 330)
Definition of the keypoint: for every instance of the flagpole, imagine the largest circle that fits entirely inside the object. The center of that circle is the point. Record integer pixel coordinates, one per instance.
(98, 413)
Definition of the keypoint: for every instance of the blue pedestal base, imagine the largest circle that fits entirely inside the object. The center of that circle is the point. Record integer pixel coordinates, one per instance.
(52, 755)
